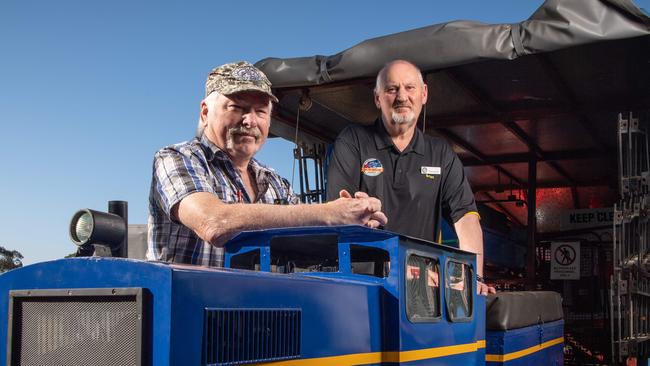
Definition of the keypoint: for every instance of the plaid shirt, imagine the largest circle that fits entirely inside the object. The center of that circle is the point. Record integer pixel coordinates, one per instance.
(199, 166)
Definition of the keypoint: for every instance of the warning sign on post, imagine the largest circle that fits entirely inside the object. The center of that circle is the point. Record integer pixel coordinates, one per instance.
(565, 261)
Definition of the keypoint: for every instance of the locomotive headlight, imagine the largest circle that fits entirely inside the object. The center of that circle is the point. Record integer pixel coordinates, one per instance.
(95, 227)
(81, 227)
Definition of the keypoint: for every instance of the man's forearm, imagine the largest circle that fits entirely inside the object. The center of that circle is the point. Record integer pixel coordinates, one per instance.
(228, 220)
(217, 222)
(470, 238)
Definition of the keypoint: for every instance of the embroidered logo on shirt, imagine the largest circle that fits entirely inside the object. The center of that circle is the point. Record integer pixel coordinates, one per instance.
(430, 171)
(372, 167)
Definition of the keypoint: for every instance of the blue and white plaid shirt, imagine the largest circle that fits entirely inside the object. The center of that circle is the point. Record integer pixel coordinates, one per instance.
(200, 166)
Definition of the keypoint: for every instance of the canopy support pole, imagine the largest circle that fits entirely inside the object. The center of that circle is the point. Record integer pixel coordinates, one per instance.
(532, 222)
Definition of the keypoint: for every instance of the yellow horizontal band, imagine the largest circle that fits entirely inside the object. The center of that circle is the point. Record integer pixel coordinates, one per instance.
(424, 354)
(474, 213)
(379, 357)
(523, 352)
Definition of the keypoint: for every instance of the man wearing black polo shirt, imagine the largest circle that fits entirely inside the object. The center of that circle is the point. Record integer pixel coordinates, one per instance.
(418, 178)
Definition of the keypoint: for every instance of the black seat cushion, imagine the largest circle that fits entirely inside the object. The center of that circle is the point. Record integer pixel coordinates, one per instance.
(513, 310)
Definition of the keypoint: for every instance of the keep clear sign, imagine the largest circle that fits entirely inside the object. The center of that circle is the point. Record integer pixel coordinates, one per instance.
(588, 217)
(565, 261)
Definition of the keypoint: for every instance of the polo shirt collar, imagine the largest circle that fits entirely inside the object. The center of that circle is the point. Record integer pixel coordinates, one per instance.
(383, 140)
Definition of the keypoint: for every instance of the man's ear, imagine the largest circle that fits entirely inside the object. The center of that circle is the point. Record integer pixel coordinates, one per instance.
(425, 94)
(204, 113)
(376, 100)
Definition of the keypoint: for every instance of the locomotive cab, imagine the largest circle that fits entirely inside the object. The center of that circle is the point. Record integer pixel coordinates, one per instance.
(428, 290)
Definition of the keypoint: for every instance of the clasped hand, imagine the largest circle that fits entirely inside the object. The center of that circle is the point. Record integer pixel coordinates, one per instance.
(365, 210)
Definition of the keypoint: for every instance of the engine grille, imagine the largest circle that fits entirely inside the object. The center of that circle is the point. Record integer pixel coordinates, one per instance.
(76, 327)
(240, 336)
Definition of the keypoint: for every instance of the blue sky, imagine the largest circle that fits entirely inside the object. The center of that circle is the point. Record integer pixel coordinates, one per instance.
(89, 90)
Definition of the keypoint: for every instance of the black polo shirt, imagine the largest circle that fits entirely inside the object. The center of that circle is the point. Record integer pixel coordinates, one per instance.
(417, 186)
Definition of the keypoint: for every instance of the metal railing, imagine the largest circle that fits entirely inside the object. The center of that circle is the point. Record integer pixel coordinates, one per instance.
(630, 280)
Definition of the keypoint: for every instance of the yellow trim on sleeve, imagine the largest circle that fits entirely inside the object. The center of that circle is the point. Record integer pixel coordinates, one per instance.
(474, 213)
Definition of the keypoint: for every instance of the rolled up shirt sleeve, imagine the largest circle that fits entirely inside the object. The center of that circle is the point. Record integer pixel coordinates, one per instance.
(176, 175)
(457, 196)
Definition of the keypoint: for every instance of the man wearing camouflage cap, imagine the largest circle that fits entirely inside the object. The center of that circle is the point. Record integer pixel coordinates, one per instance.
(206, 190)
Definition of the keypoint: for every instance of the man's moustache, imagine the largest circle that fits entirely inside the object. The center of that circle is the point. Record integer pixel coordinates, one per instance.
(241, 130)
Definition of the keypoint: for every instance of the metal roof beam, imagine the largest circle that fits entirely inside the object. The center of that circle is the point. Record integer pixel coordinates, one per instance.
(523, 137)
(502, 208)
(540, 154)
(561, 85)
(538, 112)
(575, 197)
(486, 104)
(511, 126)
(474, 92)
(549, 184)
(474, 151)
(580, 154)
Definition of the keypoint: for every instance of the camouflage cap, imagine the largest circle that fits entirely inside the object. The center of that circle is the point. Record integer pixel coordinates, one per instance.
(238, 77)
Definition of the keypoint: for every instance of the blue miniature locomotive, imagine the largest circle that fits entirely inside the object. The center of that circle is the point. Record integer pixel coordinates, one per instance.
(296, 296)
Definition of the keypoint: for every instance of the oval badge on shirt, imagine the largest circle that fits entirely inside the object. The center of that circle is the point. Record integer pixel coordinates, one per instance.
(372, 167)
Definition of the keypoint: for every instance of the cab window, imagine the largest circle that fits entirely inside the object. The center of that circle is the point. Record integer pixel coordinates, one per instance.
(458, 291)
(304, 253)
(422, 288)
(248, 260)
(369, 261)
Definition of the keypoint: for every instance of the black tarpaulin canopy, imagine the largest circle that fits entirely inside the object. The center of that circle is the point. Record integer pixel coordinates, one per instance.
(548, 88)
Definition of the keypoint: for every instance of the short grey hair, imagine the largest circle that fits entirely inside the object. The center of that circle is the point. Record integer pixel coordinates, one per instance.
(381, 75)
(210, 101)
